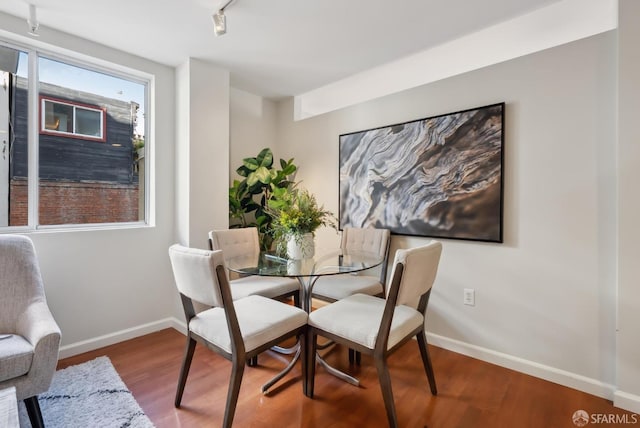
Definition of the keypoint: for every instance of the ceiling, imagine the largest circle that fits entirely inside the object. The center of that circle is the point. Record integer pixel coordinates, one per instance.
(274, 48)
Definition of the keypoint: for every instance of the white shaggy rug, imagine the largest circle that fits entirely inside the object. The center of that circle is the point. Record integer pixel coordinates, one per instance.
(88, 395)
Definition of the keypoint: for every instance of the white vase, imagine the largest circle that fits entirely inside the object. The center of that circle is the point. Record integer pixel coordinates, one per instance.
(293, 267)
(299, 248)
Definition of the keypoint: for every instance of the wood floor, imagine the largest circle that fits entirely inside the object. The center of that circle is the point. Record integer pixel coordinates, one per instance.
(472, 393)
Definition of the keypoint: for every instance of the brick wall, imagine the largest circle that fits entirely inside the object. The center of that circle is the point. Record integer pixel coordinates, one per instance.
(75, 202)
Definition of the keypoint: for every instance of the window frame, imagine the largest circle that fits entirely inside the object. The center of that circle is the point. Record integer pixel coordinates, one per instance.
(75, 105)
(98, 65)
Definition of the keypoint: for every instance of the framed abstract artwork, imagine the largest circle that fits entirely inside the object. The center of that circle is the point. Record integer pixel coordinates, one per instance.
(435, 177)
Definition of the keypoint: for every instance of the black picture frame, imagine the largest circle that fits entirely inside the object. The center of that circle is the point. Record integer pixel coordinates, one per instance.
(440, 177)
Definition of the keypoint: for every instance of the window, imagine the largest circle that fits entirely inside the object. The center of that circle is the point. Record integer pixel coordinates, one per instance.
(73, 143)
(71, 119)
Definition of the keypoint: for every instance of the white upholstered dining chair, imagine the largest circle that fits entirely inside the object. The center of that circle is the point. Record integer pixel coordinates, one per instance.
(379, 327)
(245, 242)
(237, 329)
(335, 287)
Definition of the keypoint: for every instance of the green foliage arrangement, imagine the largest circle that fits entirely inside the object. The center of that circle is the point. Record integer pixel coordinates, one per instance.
(248, 197)
(296, 212)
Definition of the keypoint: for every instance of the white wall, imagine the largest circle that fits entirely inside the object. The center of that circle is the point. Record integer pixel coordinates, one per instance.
(202, 152)
(544, 298)
(103, 283)
(628, 339)
(253, 127)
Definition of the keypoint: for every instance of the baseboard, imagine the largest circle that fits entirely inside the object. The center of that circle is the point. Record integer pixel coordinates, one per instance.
(551, 374)
(119, 336)
(626, 401)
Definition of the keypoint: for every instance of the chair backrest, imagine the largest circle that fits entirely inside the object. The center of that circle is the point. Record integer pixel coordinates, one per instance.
(194, 271)
(235, 242)
(420, 266)
(369, 239)
(20, 279)
(366, 239)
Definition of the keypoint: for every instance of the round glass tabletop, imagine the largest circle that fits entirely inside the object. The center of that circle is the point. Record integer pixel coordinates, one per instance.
(323, 263)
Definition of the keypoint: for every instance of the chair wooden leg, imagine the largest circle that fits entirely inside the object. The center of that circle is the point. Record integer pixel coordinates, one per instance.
(296, 300)
(426, 361)
(387, 392)
(253, 361)
(184, 371)
(355, 356)
(237, 371)
(302, 339)
(33, 410)
(312, 339)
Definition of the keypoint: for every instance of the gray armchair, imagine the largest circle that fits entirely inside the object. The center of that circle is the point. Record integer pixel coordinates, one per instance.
(29, 336)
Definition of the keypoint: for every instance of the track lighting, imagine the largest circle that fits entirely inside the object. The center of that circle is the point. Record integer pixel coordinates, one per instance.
(220, 20)
(219, 23)
(33, 21)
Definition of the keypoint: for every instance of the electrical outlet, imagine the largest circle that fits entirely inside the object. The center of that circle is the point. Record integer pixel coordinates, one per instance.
(469, 297)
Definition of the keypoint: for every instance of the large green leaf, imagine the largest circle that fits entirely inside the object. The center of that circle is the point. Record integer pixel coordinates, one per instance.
(262, 220)
(243, 171)
(262, 175)
(250, 163)
(265, 158)
(288, 168)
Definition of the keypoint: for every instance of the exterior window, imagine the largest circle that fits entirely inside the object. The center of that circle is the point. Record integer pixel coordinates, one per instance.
(86, 127)
(71, 119)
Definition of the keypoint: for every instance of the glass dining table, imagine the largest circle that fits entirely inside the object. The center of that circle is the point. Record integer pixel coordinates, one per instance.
(306, 271)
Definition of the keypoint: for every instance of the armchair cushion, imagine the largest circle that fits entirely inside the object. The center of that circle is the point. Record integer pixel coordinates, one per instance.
(357, 318)
(16, 355)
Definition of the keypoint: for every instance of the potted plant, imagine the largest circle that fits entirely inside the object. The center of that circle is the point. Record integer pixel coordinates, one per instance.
(249, 196)
(296, 216)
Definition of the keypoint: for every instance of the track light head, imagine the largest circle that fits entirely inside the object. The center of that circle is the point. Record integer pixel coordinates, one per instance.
(32, 22)
(220, 20)
(219, 23)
